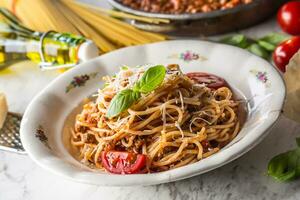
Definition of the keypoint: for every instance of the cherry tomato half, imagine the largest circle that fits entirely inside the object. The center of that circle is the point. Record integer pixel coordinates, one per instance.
(288, 17)
(119, 162)
(285, 51)
(210, 80)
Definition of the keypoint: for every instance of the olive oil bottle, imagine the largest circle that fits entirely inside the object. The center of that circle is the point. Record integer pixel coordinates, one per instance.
(51, 50)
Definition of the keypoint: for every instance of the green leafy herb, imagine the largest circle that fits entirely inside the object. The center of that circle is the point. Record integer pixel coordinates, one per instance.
(286, 166)
(258, 50)
(238, 40)
(122, 101)
(266, 45)
(151, 79)
(275, 38)
(262, 47)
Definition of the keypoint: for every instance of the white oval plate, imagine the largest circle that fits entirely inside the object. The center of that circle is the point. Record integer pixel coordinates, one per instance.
(253, 77)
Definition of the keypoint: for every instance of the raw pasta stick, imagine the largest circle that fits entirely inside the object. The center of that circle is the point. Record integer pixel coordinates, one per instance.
(108, 28)
(106, 31)
(85, 29)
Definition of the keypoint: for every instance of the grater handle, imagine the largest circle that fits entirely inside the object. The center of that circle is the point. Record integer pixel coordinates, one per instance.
(10, 134)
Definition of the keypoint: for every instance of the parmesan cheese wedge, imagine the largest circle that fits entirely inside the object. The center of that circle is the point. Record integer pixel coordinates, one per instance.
(3, 109)
(292, 80)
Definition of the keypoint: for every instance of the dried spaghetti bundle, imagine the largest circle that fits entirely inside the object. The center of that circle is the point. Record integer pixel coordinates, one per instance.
(94, 23)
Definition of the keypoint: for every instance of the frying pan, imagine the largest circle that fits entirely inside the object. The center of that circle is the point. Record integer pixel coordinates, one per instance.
(210, 23)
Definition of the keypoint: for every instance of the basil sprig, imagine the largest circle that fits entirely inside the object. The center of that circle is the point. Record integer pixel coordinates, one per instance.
(262, 47)
(286, 166)
(150, 80)
(122, 101)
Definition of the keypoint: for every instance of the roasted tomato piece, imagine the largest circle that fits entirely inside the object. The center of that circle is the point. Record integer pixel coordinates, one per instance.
(210, 80)
(122, 162)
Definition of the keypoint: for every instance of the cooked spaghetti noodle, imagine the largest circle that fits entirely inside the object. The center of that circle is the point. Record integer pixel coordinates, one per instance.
(179, 123)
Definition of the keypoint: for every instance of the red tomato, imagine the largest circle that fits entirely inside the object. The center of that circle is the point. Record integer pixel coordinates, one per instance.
(285, 51)
(211, 81)
(120, 162)
(288, 17)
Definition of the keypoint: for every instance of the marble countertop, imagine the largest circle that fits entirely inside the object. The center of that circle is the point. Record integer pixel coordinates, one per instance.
(244, 178)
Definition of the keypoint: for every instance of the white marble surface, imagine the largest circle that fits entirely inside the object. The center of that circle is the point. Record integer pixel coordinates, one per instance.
(244, 178)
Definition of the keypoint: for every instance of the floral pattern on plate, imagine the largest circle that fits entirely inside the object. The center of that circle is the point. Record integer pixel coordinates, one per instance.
(188, 56)
(40, 134)
(261, 76)
(79, 81)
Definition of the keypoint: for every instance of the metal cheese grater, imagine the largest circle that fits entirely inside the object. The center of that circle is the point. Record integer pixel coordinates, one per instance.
(10, 134)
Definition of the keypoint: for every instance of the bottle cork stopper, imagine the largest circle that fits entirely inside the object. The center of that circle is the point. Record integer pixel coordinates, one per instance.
(87, 51)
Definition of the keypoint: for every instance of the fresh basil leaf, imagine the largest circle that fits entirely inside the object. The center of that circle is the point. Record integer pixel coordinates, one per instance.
(286, 166)
(238, 40)
(259, 51)
(283, 167)
(151, 79)
(275, 38)
(122, 101)
(266, 45)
